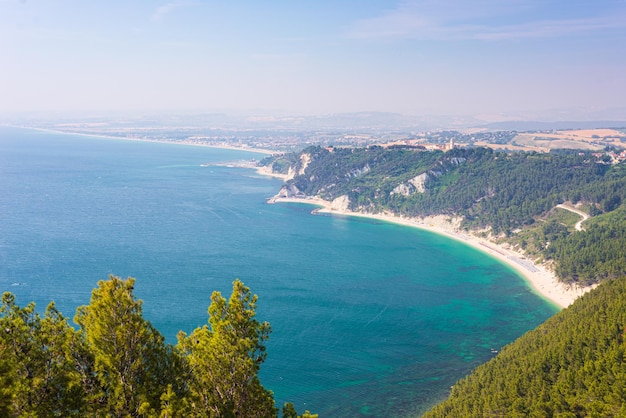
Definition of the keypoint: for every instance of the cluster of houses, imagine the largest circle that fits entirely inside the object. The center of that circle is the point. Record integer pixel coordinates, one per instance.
(611, 157)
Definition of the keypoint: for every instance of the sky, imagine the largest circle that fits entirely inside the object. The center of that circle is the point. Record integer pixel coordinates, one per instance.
(413, 57)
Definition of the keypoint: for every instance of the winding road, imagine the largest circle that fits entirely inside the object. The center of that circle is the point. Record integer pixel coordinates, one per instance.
(579, 224)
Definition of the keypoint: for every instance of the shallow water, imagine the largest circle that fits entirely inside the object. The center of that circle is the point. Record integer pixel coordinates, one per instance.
(368, 318)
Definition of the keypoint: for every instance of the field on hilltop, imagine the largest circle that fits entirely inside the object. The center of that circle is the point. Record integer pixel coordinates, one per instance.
(584, 139)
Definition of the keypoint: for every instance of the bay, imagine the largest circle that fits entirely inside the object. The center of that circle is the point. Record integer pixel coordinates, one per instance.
(368, 318)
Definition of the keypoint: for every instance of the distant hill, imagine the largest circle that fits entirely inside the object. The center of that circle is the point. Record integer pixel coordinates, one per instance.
(524, 126)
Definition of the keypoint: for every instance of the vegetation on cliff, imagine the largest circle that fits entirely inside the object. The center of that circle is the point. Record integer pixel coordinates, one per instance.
(505, 192)
(573, 365)
(117, 364)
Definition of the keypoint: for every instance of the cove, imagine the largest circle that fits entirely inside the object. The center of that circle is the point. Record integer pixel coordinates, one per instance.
(369, 318)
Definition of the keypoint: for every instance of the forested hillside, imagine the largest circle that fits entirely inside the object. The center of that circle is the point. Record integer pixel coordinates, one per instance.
(595, 254)
(573, 365)
(117, 364)
(505, 192)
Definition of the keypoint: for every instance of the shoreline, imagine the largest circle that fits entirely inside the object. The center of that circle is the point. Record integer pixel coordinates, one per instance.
(541, 280)
(158, 141)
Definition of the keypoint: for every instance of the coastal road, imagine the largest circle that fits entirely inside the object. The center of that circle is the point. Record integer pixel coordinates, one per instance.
(579, 224)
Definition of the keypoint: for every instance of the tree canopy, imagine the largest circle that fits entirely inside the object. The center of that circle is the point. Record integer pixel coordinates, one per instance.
(504, 192)
(570, 366)
(116, 364)
(225, 358)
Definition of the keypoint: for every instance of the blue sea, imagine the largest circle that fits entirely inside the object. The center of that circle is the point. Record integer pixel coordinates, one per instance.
(368, 318)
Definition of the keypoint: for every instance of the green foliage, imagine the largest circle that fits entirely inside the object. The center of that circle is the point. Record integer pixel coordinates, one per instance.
(118, 365)
(132, 364)
(369, 173)
(595, 254)
(565, 218)
(582, 257)
(225, 358)
(504, 192)
(289, 411)
(37, 375)
(279, 164)
(573, 365)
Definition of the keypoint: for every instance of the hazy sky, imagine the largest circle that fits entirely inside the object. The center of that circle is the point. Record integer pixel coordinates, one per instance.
(413, 57)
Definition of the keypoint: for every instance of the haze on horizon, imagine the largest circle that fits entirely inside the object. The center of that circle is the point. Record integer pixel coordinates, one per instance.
(487, 57)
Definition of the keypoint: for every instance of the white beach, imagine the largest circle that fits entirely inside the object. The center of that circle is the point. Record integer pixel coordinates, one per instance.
(540, 279)
(193, 143)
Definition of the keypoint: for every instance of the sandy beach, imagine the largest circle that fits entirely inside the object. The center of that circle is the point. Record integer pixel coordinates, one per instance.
(540, 279)
(193, 143)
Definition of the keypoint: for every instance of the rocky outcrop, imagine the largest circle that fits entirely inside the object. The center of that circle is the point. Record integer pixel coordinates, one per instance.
(358, 171)
(402, 189)
(342, 203)
(291, 173)
(290, 190)
(305, 160)
(415, 185)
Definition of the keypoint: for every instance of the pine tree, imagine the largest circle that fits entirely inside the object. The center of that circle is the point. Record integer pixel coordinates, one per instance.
(37, 373)
(289, 411)
(132, 364)
(225, 358)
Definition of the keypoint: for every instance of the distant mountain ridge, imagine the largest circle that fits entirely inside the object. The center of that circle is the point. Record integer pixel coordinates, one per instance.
(523, 126)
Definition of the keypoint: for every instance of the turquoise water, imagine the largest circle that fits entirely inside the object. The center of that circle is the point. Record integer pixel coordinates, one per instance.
(368, 318)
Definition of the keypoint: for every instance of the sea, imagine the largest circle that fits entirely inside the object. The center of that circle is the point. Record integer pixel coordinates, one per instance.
(369, 319)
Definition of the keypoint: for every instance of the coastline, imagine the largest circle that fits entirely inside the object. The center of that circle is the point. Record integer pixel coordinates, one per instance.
(538, 277)
(541, 279)
(267, 171)
(158, 141)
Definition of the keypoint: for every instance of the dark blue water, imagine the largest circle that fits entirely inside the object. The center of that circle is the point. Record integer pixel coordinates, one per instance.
(368, 318)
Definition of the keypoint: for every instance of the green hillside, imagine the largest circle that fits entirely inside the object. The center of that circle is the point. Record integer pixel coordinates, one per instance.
(509, 193)
(117, 364)
(570, 366)
(573, 364)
